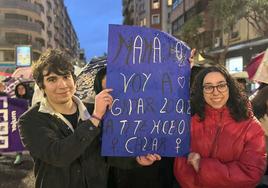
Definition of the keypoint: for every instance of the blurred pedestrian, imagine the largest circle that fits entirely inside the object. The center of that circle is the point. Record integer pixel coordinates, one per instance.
(255, 92)
(21, 92)
(2, 89)
(63, 139)
(260, 109)
(227, 143)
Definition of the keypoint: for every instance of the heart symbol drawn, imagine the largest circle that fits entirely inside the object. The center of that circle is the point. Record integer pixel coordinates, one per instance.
(181, 81)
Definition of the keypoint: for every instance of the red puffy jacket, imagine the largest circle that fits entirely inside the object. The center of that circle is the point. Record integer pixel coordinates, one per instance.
(232, 153)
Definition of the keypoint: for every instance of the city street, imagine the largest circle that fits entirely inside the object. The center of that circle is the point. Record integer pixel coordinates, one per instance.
(133, 93)
(20, 176)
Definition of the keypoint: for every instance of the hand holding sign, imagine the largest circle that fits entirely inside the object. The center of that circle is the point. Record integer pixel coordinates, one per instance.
(102, 101)
(194, 160)
(148, 159)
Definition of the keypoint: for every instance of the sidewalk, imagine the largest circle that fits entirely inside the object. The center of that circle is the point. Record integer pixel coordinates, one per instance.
(20, 176)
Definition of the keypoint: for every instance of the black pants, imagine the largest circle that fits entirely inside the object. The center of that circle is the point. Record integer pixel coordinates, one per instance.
(158, 175)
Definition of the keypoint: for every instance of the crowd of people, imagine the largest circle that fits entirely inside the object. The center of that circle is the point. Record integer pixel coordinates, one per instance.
(22, 91)
(63, 135)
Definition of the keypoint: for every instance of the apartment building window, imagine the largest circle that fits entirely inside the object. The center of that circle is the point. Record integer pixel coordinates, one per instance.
(234, 35)
(141, 8)
(190, 13)
(155, 4)
(9, 55)
(176, 25)
(235, 32)
(49, 33)
(49, 19)
(49, 6)
(17, 38)
(40, 41)
(143, 22)
(40, 6)
(155, 19)
(40, 23)
(16, 16)
(176, 3)
(169, 2)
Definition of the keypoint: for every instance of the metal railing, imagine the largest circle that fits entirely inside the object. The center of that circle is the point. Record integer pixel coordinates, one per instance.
(20, 24)
(20, 5)
(35, 45)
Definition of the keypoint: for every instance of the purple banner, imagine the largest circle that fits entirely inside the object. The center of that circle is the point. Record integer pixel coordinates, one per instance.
(149, 73)
(10, 111)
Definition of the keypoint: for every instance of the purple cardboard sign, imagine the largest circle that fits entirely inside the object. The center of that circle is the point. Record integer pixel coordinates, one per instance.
(10, 111)
(150, 74)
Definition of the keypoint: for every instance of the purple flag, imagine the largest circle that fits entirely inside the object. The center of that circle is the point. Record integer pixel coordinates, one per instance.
(10, 111)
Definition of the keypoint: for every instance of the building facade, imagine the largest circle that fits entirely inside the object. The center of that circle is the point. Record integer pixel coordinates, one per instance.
(244, 42)
(148, 13)
(39, 23)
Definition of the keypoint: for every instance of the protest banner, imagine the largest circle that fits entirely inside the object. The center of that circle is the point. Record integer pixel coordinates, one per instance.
(10, 110)
(149, 72)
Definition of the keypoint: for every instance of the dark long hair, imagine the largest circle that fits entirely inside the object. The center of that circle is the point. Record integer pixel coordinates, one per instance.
(237, 102)
(259, 103)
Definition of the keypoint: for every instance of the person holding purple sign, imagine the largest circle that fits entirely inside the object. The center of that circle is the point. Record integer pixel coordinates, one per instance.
(63, 139)
(227, 141)
(125, 171)
(21, 92)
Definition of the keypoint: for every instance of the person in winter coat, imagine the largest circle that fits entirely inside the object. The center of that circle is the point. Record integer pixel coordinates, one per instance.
(260, 109)
(227, 142)
(125, 171)
(21, 92)
(63, 139)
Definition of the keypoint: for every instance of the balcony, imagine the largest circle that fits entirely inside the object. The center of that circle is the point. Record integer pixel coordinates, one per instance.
(49, 12)
(4, 43)
(37, 46)
(20, 24)
(7, 44)
(24, 5)
(57, 37)
(56, 24)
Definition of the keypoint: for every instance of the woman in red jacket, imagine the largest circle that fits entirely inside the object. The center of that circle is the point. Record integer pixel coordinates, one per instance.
(227, 142)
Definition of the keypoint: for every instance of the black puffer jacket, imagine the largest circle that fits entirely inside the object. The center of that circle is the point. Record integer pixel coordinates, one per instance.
(63, 159)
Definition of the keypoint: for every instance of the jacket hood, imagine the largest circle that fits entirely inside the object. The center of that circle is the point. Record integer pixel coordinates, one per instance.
(26, 95)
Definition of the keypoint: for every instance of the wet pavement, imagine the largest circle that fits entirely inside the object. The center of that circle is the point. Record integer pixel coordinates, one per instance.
(16, 176)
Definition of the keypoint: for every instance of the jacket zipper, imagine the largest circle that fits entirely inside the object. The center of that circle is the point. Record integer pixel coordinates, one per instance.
(214, 144)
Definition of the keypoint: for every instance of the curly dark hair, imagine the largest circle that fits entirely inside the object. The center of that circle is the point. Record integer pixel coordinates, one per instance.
(259, 103)
(52, 60)
(237, 102)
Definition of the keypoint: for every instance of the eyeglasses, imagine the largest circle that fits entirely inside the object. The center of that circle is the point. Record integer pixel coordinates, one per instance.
(222, 87)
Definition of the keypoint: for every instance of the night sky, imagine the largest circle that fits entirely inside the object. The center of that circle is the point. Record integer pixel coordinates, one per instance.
(90, 20)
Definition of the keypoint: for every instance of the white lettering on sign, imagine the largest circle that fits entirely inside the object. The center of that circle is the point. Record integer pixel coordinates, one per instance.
(14, 120)
(4, 144)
